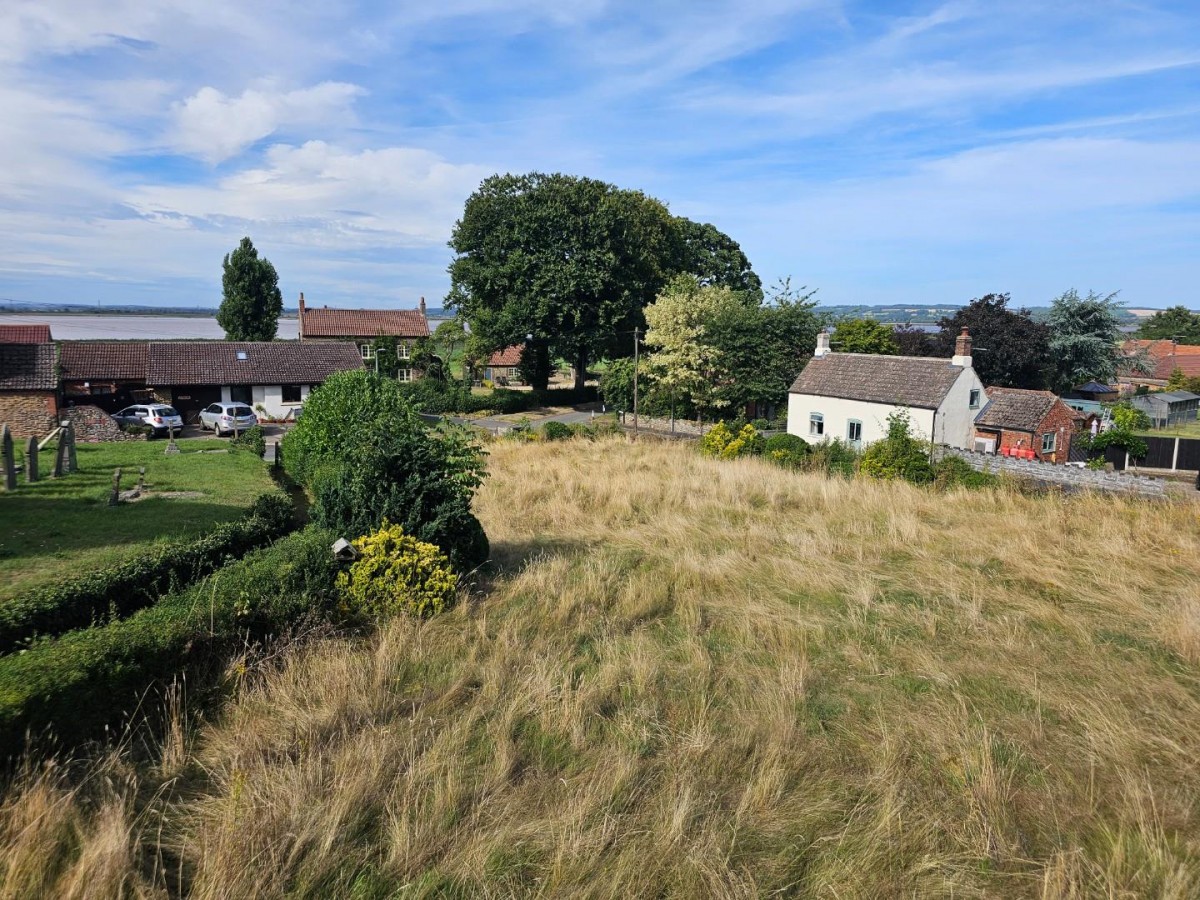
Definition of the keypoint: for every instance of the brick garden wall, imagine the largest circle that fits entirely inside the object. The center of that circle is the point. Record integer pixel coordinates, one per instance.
(28, 413)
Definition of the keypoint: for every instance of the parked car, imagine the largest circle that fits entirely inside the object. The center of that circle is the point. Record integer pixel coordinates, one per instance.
(158, 416)
(225, 418)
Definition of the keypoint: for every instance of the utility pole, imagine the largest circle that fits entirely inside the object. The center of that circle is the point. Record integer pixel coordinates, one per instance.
(635, 384)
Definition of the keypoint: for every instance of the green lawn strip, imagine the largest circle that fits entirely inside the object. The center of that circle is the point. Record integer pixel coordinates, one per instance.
(1185, 430)
(63, 526)
(83, 681)
(140, 579)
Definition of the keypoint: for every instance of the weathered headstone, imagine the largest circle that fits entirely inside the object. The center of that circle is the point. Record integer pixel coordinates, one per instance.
(10, 461)
(141, 485)
(115, 497)
(69, 434)
(172, 447)
(31, 460)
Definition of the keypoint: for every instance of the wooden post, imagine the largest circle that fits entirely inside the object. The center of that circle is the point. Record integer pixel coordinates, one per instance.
(141, 485)
(10, 461)
(31, 460)
(115, 497)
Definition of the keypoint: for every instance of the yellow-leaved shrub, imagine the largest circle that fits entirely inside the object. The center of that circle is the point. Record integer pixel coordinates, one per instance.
(395, 573)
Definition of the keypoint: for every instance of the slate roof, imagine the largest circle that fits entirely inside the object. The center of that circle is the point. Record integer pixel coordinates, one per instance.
(27, 367)
(37, 333)
(1095, 387)
(266, 362)
(324, 322)
(1016, 409)
(509, 356)
(103, 360)
(915, 381)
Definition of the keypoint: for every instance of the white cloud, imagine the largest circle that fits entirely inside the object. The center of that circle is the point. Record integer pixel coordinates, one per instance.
(214, 127)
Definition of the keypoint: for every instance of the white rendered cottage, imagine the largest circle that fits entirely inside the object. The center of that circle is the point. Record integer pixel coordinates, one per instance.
(850, 396)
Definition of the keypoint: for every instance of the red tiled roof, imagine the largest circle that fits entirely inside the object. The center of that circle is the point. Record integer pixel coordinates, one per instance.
(38, 333)
(27, 367)
(100, 360)
(509, 356)
(1167, 356)
(356, 323)
(266, 362)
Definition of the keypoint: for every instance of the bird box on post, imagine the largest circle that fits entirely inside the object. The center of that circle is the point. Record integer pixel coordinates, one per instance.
(343, 551)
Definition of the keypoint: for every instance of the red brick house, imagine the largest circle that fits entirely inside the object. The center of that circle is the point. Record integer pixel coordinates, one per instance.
(364, 327)
(1014, 419)
(1165, 357)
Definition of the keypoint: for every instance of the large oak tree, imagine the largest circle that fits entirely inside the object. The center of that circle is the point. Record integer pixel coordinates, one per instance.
(566, 265)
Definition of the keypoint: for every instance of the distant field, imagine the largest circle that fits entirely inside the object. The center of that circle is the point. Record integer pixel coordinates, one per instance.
(64, 526)
(691, 678)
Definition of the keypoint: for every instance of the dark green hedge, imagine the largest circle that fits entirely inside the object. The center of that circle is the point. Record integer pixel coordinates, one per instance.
(75, 685)
(138, 582)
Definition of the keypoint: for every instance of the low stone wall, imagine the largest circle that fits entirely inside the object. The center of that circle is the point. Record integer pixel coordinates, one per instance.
(28, 413)
(682, 426)
(94, 426)
(1071, 477)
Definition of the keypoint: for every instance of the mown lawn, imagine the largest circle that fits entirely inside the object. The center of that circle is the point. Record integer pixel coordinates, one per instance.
(64, 526)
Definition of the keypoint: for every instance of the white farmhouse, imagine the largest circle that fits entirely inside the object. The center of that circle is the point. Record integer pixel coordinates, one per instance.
(850, 396)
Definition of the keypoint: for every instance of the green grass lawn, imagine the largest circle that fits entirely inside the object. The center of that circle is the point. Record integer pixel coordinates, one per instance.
(1188, 430)
(61, 527)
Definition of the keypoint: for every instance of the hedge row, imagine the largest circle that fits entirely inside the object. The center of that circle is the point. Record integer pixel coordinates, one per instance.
(77, 684)
(119, 590)
(441, 398)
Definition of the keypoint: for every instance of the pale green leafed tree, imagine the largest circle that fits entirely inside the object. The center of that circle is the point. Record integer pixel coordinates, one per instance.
(683, 361)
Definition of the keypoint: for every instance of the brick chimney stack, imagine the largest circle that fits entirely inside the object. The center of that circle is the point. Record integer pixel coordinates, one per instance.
(302, 315)
(962, 350)
(422, 306)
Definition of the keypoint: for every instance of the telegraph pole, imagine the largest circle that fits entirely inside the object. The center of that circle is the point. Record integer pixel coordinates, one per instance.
(635, 384)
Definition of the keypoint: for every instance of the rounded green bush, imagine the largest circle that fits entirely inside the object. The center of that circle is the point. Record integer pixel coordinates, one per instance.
(556, 431)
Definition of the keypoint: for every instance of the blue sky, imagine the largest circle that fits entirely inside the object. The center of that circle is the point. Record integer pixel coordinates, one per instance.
(915, 152)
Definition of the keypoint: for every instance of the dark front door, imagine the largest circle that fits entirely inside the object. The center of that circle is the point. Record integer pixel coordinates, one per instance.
(241, 393)
(190, 400)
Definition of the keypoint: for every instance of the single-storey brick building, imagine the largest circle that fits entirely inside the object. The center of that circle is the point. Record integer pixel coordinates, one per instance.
(107, 374)
(28, 388)
(504, 366)
(1016, 419)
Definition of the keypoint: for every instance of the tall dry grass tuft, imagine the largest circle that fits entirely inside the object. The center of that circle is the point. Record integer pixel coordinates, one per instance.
(701, 678)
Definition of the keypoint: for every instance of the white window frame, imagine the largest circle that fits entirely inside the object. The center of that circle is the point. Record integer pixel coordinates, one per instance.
(367, 351)
(816, 424)
(1052, 437)
(404, 375)
(402, 350)
(850, 423)
(975, 398)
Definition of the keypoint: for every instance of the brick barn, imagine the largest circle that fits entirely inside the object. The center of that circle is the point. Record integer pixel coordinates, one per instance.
(1015, 419)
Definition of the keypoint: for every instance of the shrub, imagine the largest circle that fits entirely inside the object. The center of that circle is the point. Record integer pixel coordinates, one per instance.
(834, 457)
(954, 471)
(140, 580)
(788, 450)
(86, 680)
(720, 441)
(556, 431)
(899, 455)
(253, 439)
(761, 424)
(396, 573)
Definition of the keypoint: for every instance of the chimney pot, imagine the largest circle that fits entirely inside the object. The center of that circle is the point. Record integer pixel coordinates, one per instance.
(962, 349)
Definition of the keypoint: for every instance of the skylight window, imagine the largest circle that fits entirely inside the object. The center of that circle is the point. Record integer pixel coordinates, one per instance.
(241, 354)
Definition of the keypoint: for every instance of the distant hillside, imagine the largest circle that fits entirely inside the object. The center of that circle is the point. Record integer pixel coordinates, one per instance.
(899, 314)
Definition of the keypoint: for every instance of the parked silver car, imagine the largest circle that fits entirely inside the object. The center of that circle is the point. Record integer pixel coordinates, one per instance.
(225, 418)
(158, 416)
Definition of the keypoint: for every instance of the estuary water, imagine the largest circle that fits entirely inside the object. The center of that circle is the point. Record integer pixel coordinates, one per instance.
(120, 327)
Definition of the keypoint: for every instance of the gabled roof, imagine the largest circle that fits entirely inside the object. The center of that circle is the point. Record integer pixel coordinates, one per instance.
(1095, 387)
(266, 362)
(1167, 357)
(509, 356)
(27, 367)
(1016, 409)
(100, 360)
(917, 381)
(354, 323)
(37, 333)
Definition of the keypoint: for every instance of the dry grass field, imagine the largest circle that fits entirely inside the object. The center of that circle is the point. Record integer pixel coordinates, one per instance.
(692, 678)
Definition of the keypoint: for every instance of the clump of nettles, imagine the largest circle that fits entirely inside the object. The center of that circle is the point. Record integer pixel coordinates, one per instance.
(396, 573)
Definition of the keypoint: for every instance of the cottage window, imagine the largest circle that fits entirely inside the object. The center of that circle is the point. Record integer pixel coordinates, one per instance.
(1049, 442)
(854, 432)
(974, 403)
(291, 393)
(404, 375)
(816, 424)
(402, 350)
(368, 351)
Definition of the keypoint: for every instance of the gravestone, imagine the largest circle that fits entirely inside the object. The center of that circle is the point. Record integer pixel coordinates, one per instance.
(31, 460)
(172, 447)
(10, 461)
(115, 497)
(69, 434)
